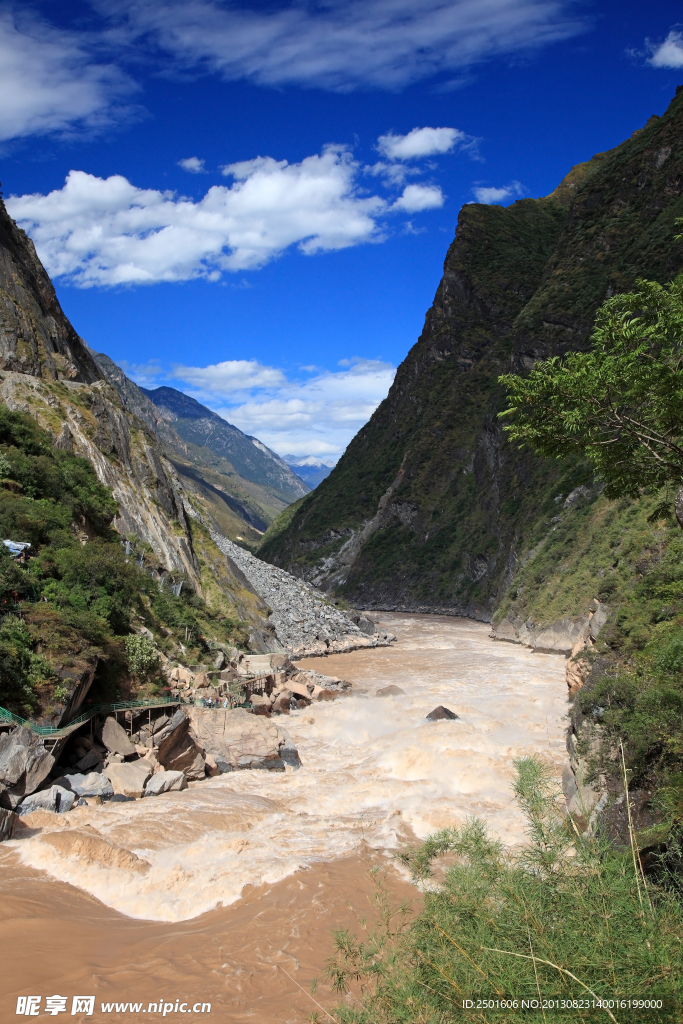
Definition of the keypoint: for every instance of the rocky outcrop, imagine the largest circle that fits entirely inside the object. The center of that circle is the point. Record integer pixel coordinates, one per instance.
(115, 739)
(568, 636)
(241, 740)
(55, 799)
(24, 764)
(8, 822)
(35, 336)
(165, 782)
(303, 619)
(129, 779)
(178, 750)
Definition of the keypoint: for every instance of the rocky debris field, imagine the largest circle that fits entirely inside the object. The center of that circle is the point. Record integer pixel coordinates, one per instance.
(304, 620)
(151, 756)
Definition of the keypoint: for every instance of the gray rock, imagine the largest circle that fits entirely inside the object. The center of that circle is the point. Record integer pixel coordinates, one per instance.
(241, 739)
(219, 661)
(223, 765)
(56, 799)
(91, 760)
(164, 782)
(8, 821)
(93, 784)
(115, 738)
(24, 764)
(178, 750)
(441, 713)
(129, 779)
(304, 620)
(390, 691)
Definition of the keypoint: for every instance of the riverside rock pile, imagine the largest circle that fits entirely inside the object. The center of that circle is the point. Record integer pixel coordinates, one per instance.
(305, 622)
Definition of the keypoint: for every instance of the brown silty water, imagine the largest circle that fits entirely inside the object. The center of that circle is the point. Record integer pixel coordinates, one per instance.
(227, 893)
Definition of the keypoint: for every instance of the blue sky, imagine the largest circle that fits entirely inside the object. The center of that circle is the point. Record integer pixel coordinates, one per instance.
(252, 201)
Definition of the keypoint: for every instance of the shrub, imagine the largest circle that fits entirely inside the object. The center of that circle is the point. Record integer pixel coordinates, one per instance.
(564, 918)
(141, 653)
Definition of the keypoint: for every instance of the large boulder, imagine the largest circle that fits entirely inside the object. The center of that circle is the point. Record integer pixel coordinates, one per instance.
(90, 760)
(178, 750)
(24, 764)
(116, 739)
(129, 779)
(165, 782)
(242, 740)
(56, 799)
(389, 691)
(8, 821)
(93, 784)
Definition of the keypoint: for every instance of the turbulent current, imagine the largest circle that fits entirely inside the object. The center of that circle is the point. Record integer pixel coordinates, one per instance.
(235, 883)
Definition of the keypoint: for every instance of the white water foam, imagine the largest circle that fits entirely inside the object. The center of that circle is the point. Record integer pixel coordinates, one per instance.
(373, 769)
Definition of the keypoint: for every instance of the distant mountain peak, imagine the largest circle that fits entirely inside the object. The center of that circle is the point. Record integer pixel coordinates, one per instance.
(251, 458)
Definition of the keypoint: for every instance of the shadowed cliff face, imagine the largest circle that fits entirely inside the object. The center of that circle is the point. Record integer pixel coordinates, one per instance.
(430, 508)
(35, 336)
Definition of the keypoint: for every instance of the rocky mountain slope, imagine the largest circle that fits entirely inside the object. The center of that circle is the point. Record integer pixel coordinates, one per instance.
(242, 508)
(431, 508)
(204, 429)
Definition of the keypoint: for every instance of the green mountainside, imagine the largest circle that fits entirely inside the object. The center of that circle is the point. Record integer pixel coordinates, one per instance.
(431, 508)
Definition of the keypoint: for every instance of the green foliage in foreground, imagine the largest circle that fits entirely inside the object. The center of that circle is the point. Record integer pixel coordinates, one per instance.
(621, 403)
(566, 918)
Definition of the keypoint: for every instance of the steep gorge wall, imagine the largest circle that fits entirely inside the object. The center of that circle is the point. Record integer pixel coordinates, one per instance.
(46, 370)
(430, 507)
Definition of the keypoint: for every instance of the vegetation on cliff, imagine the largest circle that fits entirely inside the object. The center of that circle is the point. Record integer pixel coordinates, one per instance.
(67, 607)
(437, 508)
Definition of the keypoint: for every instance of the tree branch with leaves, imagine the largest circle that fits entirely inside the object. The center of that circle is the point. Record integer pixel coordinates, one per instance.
(620, 404)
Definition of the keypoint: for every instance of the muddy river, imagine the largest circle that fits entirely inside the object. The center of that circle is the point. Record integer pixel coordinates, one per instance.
(251, 871)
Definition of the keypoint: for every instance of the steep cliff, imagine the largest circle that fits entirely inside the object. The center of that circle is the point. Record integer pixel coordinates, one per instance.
(35, 336)
(47, 371)
(430, 507)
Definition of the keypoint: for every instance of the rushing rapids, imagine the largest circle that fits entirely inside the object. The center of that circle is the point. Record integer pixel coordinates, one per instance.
(376, 774)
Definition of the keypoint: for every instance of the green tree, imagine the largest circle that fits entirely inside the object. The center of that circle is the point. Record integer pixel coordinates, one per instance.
(620, 403)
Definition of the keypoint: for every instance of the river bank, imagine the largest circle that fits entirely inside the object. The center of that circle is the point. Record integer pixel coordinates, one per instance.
(374, 772)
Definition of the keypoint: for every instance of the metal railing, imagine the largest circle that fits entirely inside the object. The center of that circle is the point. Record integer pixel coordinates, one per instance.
(95, 709)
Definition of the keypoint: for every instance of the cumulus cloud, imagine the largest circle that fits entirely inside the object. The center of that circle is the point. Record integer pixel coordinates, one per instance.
(230, 376)
(668, 54)
(192, 164)
(419, 142)
(106, 231)
(419, 197)
(317, 415)
(490, 195)
(51, 84)
(343, 45)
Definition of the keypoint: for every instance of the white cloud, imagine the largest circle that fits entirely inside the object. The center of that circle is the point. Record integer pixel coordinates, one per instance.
(49, 83)
(314, 416)
(668, 54)
(419, 142)
(97, 231)
(490, 195)
(343, 45)
(229, 376)
(105, 231)
(192, 164)
(416, 198)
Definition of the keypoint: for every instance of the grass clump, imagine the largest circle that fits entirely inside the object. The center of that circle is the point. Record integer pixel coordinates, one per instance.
(565, 919)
